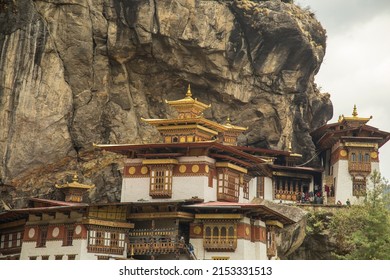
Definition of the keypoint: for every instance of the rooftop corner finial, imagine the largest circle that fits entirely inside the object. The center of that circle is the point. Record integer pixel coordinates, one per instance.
(340, 118)
(289, 147)
(354, 112)
(189, 94)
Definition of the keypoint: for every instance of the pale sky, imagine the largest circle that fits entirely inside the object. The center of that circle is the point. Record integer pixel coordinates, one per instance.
(356, 67)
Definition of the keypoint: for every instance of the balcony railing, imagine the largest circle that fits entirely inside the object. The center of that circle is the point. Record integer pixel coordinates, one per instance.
(105, 250)
(154, 246)
(220, 244)
(160, 193)
(154, 241)
(359, 167)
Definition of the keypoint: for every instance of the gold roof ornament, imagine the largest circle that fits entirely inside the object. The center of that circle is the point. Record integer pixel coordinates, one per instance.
(230, 127)
(228, 120)
(74, 190)
(354, 112)
(189, 93)
(354, 119)
(188, 107)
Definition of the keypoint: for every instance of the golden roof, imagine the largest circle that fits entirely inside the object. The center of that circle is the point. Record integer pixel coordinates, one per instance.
(188, 104)
(198, 120)
(231, 127)
(354, 117)
(74, 185)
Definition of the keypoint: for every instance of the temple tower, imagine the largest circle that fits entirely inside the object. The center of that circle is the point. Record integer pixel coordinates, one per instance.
(349, 151)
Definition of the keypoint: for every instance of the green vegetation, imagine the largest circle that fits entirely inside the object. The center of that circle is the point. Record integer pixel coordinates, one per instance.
(362, 232)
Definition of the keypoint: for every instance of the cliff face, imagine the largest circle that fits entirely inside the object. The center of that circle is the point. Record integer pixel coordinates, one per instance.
(74, 72)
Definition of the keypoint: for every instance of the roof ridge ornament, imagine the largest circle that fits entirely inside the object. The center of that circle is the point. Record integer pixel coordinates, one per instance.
(189, 93)
(354, 112)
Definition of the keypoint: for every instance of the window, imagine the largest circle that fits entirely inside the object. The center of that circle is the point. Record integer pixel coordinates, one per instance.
(220, 237)
(359, 187)
(271, 244)
(260, 187)
(102, 241)
(42, 236)
(360, 162)
(71, 257)
(161, 182)
(45, 258)
(58, 257)
(32, 258)
(228, 185)
(11, 240)
(68, 237)
(245, 190)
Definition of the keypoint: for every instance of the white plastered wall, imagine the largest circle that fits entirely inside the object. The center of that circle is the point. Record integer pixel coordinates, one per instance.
(246, 250)
(134, 189)
(344, 184)
(52, 248)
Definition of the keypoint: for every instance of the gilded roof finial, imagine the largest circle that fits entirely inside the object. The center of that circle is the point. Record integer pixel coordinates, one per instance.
(340, 118)
(75, 178)
(228, 120)
(354, 112)
(189, 94)
(289, 146)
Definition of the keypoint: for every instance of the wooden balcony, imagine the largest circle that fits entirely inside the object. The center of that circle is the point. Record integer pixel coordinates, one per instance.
(227, 244)
(105, 250)
(359, 167)
(158, 246)
(160, 193)
(154, 241)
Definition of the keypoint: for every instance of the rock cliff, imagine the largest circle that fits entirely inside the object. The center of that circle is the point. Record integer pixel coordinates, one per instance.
(75, 72)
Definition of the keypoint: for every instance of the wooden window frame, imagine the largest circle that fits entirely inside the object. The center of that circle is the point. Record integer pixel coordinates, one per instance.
(106, 241)
(68, 236)
(11, 240)
(161, 181)
(228, 185)
(260, 187)
(359, 187)
(42, 237)
(220, 237)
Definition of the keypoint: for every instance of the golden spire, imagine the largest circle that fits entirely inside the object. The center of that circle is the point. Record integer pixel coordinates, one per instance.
(75, 178)
(354, 112)
(189, 94)
(289, 147)
(228, 120)
(340, 118)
